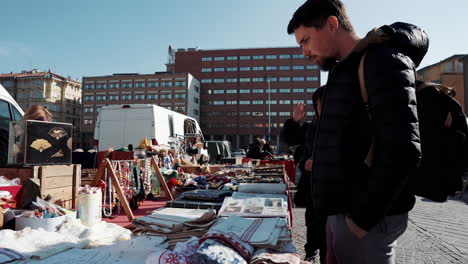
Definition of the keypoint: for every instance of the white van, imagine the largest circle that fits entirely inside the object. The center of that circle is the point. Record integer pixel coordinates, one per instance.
(118, 126)
(9, 111)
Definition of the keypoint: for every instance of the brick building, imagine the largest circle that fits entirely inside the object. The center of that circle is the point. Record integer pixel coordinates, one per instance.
(174, 91)
(234, 89)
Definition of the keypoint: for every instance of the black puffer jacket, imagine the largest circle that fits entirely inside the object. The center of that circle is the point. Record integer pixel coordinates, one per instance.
(341, 182)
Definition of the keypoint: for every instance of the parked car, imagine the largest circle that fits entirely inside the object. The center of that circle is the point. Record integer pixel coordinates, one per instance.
(9, 111)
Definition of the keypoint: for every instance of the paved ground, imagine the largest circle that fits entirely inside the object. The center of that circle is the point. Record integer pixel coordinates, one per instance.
(437, 233)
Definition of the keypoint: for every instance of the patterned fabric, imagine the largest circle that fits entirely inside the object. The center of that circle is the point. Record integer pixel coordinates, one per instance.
(213, 252)
(182, 254)
(265, 256)
(9, 255)
(233, 241)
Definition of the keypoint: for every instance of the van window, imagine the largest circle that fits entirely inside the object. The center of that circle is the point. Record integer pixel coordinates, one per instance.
(16, 114)
(171, 125)
(4, 115)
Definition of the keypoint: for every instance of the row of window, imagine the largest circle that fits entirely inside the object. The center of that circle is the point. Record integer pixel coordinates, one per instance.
(135, 85)
(175, 108)
(261, 68)
(261, 91)
(261, 79)
(257, 102)
(244, 113)
(255, 57)
(133, 97)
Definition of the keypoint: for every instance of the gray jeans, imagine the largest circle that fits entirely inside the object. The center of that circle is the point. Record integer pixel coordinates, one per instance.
(377, 247)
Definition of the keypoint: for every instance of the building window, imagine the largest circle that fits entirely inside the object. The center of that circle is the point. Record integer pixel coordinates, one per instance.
(231, 69)
(298, 101)
(298, 79)
(311, 90)
(244, 69)
(88, 109)
(298, 90)
(127, 97)
(197, 89)
(257, 91)
(206, 70)
(218, 81)
(231, 58)
(271, 102)
(218, 102)
(244, 80)
(257, 113)
(206, 81)
(298, 67)
(258, 57)
(231, 80)
(218, 91)
(166, 96)
(310, 102)
(258, 79)
(272, 113)
(89, 98)
(89, 86)
(285, 90)
(139, 97)
(311, 67)
(285, 101)
(244, 113)
(271, 57)
(271, 68)
(271, 90)
(244, 91)
(287, 56)
(127, 85)
(285, 79)
(312, 78)
(244, 102)
(152, 96)
(257, 102)
(195, 100)
(207, 59)
(219, 58)
(195, 111)
(180, 83)
(284, 113)
(179, 96)
(285, 68)
(113, 97)
(231, 91)
(258, 68)
(310, 113)
(88, 122)
(219, 69)
(101, 98)
(101, 86)
(231, 102)
(244, 57)
(166, 84)
(298, 56)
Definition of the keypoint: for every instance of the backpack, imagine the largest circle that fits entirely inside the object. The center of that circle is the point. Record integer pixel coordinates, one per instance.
(443, 128)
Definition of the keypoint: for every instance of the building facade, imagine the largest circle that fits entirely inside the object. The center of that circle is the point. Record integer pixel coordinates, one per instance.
(449, 72)
(60, 95)
(248, 92)
(175, 91)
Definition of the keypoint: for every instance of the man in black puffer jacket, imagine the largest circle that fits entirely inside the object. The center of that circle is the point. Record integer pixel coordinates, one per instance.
(367, 206)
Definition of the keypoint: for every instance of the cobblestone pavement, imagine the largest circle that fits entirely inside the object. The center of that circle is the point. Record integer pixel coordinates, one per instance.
(437, 233)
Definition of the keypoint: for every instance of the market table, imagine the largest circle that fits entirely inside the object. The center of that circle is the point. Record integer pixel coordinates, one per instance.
(289, 166)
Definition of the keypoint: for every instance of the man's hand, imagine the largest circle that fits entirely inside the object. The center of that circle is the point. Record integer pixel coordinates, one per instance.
(299, 112)
(308, 165)
(355, 229)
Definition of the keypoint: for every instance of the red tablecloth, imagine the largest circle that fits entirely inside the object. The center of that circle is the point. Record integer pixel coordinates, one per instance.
(289, 166)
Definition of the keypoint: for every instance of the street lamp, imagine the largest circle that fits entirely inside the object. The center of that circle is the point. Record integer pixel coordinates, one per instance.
(268, 79)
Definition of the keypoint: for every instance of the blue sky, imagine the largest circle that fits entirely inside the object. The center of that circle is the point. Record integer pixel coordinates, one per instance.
(91, 37)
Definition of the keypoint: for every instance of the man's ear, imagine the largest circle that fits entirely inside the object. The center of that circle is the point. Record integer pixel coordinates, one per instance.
(333, 24)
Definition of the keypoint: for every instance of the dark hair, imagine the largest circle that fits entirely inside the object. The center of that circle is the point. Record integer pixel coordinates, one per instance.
(318, 96)
(314, 13)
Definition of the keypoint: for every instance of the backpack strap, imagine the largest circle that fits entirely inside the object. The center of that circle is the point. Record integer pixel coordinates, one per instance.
(365, 98)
